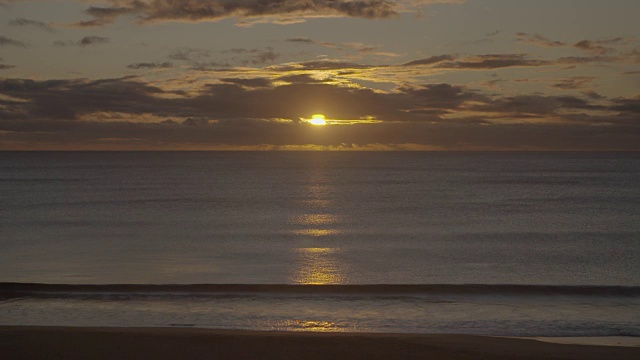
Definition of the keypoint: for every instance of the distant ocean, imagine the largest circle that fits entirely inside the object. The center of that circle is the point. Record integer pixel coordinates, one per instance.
(443, 237)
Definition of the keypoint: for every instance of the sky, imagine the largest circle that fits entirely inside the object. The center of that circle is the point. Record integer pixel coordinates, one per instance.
(463, 75)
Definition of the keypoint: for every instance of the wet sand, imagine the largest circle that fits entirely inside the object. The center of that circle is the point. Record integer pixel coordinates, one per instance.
(28, 342)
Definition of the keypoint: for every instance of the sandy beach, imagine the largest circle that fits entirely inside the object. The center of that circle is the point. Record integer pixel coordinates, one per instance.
(27, 342)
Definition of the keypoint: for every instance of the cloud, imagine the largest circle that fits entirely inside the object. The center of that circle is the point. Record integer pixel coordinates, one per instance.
(106, 16)
(277, 11)
(93, 40)
(365, 49)
(209, 65)
(579, 60)
(538, 106)
(361, 48)
(300, 79)
(498, 61)
(539, 40)
(252, 83)
(592, 47)
(65, 99)
(203, 59)
(5, 66)
(198, 134)
(85, 41)
(5, 41)
(320, 65)
(302, 40)
(441, 96)
(252, 56)
(242, 97)
(431, 60)
(486, 38)
(602, 46)
(235, 108)
(143, 65)
(235, 98)
(190, 54)
(196, 122)
(593, 95)
(493, 61)
(576, 82)
(32, 23)
(627, 105)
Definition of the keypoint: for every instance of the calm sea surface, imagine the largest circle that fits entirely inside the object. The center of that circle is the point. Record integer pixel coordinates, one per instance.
(565, 219)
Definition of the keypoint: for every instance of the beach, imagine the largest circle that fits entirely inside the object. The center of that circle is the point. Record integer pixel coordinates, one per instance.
(33, 342)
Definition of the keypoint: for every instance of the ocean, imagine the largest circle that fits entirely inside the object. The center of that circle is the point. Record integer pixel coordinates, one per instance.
(518, 244)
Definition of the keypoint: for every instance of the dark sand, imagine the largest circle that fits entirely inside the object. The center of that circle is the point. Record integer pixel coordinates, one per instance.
(28, 342)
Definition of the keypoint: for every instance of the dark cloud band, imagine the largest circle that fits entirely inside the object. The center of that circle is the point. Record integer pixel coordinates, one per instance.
(6, 41)
(243, 111)
(212, 10)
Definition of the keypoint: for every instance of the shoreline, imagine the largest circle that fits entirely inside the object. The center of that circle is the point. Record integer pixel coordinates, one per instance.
(47, 342)
(623, 341)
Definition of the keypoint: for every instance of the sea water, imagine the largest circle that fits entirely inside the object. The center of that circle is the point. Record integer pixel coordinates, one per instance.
(530, 219)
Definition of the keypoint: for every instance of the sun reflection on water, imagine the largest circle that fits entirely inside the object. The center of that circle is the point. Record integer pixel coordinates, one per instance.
(318, 266)
(318, 195)
(316, 232)
(317, 219)
(312, 325)
(316, 225)
(318, 203)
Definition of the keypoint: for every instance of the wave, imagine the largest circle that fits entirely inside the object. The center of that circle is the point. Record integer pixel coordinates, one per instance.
(13, 290)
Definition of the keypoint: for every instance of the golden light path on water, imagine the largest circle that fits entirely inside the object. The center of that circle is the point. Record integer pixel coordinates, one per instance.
(318, 266)
(315, 260)
(317, 225)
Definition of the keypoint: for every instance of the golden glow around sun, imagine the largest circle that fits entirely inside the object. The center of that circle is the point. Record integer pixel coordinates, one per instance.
(317, 119)
(321, 120)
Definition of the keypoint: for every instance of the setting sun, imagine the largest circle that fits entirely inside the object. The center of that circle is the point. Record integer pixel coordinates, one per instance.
(318, 119)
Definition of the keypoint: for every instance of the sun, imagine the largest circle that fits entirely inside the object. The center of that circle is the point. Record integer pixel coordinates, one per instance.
(317, 119)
